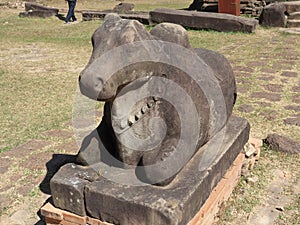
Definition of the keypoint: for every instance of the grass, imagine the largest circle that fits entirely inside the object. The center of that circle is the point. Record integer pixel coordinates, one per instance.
(40, 60)
(246, 197)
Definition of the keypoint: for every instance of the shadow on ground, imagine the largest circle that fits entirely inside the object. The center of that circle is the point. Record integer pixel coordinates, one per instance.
(61, 17)
(53, 165)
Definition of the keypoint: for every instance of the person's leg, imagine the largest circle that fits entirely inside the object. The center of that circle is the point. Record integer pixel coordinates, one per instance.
(69, 15)
(73, 15)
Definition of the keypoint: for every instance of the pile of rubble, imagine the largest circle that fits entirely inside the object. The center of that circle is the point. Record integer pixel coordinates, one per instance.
(252, 154)
(252, 7)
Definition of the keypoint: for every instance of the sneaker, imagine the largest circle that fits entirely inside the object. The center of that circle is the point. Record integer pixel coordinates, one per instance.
(67, 23)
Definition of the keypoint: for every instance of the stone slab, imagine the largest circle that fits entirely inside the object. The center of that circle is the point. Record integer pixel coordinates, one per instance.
(293, 23)
(30, 6)
(142, 17)
(294, 16)
(204, 20)
(37, 13)
(176, 203)
(291, 6)
(290, 30)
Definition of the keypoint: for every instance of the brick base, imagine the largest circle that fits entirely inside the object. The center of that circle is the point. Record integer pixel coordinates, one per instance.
(207, 214)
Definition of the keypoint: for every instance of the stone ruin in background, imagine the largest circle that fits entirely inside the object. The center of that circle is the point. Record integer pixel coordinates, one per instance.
(248, 7)
(269, 12)
(36, 10)
(167, 135)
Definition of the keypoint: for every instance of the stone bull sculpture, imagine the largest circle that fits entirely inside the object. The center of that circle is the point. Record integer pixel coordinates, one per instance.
(147, 123)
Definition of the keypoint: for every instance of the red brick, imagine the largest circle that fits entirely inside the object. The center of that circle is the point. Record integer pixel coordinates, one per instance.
(50, 221)
(50, 212)
(220, 194)
(93, 221)
(257, 143)
(71, 217)
(64, 222)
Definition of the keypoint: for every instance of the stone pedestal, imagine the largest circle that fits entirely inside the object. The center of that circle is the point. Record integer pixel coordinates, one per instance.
(206, 215)
(176, 203)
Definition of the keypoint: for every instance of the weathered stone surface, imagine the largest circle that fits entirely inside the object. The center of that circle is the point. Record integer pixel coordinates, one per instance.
(273, 87)
(204, 20)
(224, 74)
(282, 143)
(91, 14)
(37, 13)
(67, 187)
(37, 10)
(142, 17)
(34, 6)
(292, 121)
(293, 23)
(291, 6)
(171, 32)
(289, 74)
(274, 97)
(246, 108)
(249, 7)
(176, 203)
(294, 16)
(273, 15)
(117, 32)
(270, 115)
(123, 7)
(293, 107)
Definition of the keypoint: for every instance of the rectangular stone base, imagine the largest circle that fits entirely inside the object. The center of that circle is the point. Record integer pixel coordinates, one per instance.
(82, 191)
(206, 215)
